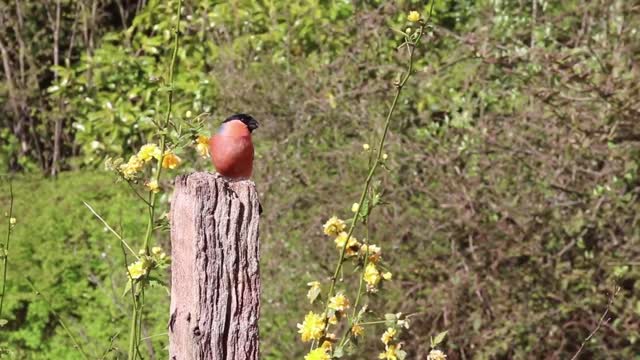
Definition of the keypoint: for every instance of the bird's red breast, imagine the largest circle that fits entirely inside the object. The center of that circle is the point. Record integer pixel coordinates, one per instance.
(232, 150)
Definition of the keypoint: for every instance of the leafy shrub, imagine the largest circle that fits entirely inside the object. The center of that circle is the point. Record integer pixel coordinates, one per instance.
(513, 164)
(77, 266)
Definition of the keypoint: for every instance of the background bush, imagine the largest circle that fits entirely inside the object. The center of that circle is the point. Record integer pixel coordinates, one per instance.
(513, 182)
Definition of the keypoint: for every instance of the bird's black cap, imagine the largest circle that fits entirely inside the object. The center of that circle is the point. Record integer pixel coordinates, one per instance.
(248, 120)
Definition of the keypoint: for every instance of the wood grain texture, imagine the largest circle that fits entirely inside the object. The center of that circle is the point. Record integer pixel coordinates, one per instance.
(215, 278)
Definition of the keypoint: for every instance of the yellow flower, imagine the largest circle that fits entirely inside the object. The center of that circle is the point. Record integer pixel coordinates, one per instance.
(388, 335)
(312, 327)
(333, 226)
(202, 146)
(201, 139)
(385, 156)
(403, 323)
(148, 152)
(326, 345)
(138, 269)
(130, 169)
(352, 246)
(332, 100)
(318, 354)
(333, 319)
(413, 16)
(339, 302)
(436, 355)
(170, 160)
(13, 221)
(357, 330)
(355, 207)
(390, 353)
(314, 291)
(387, 275)
(374, 251)
(371, 276)
(153, 186)
(366, 147)
(156, 250)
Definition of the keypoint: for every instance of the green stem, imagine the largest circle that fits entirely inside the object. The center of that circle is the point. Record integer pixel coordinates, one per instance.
(360, 285)
(373, 322)
(165, 125)
(133, 333)
(138, 300)
(352, 320)
(5, 255)
(140, 310)
(132, 353)
(372, 170)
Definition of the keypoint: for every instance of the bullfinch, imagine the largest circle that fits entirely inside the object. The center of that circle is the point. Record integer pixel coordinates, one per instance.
(231, 147)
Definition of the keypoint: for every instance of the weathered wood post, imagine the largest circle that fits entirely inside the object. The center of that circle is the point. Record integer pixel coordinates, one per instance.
(215, 279)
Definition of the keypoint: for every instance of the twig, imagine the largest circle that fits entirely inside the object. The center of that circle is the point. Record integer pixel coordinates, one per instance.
(600, 322)
(154, 336)
(110, 229)
(5, 250)
(138, 194)
(110, 348)
(60, 321)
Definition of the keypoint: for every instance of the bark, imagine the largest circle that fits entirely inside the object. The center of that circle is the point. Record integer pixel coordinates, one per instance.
(57, 134)
(215, 280)
(19, 128)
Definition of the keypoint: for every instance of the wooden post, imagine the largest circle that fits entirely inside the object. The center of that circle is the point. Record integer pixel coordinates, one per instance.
(215, 279)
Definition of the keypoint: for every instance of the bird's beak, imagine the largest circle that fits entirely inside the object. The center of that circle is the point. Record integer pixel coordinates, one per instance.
(252, 124)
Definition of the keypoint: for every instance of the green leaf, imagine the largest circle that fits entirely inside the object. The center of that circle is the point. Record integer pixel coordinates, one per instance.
(390, 320)
(162, 89)
(438, 339)
(155, 282)
(127, 288)
(401, 354)
(338, 352)
(313, 293)
(376, 199)
(362, 311)
(3, 322)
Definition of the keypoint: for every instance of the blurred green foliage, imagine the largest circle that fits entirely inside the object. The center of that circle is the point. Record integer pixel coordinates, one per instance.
(512, 193)
(76, 264)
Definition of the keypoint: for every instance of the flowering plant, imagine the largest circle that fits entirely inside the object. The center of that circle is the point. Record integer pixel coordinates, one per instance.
(322, 328)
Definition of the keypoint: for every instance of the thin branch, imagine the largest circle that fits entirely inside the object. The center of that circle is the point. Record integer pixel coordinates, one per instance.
(111, 229)
(60, 321)
(138, 194)
(600, 322)
(5, 249)
(154, 336)
(110, 347)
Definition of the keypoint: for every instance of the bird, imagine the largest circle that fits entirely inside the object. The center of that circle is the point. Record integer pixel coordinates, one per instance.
(231, 147)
